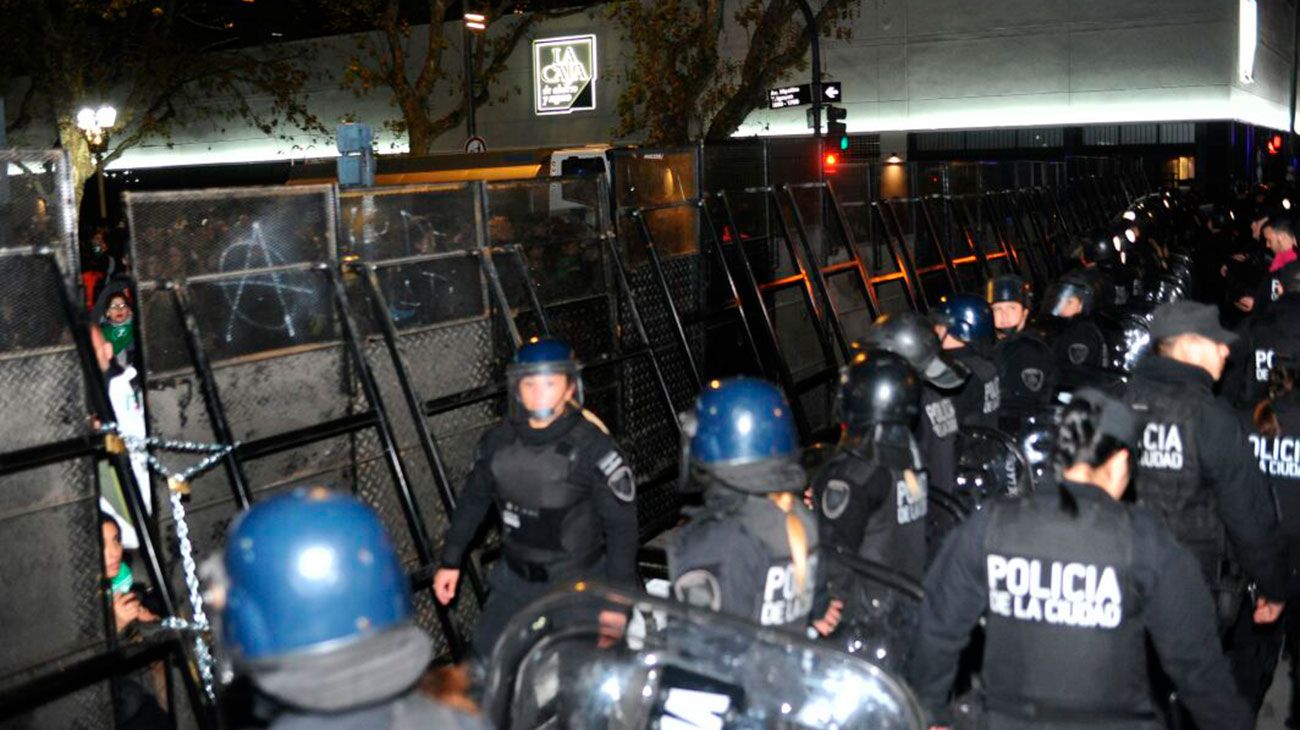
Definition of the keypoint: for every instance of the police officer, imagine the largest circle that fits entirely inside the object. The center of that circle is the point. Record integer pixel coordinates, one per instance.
(1066, 323)
(1265, 336)
(1102, 255)
(1071, 581)
(1026, 367)
(564, 491)
(314, 607)
(871, 495)
(964, 325)
(1276, 438)
(1196, 470)
(911, 336)
(752, 550)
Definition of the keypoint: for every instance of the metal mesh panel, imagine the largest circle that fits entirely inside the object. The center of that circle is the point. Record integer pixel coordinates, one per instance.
(419, 240)
(390, 223)
(556, 226)
(49, 518)
(176, 235)
(37, 205)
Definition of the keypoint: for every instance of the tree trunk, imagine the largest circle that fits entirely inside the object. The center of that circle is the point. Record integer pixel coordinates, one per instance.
(82, 162)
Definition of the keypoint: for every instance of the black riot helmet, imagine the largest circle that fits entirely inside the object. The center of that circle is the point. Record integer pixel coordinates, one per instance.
(910, 335)
(1008, 288)
(877, 388)
(1073, 285)
(1105, 247)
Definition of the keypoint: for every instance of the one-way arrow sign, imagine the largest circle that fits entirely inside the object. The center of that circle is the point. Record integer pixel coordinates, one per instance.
(801, 95)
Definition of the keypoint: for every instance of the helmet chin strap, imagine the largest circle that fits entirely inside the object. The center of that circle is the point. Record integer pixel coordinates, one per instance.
(1007, 331)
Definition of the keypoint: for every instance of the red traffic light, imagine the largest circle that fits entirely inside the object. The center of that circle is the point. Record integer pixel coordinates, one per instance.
(832, 159)
(1274, 145)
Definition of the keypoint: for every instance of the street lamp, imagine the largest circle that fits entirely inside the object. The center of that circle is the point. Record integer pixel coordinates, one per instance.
(474, 23)
(95, 124)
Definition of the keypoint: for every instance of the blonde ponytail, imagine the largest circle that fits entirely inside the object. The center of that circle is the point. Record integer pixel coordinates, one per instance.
(795, 534)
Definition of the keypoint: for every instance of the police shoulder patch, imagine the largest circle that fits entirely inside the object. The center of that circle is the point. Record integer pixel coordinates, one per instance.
(1078, 352)
(1032, 378)
(700, 588)
(835, 498)
(618, 475)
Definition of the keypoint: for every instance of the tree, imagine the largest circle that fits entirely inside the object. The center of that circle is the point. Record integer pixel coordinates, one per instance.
(682, 85)
(413, 65)
(161, 63)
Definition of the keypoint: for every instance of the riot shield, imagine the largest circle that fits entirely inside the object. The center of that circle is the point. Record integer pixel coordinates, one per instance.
(881, 615)
(1035, 436)
(566, 662)
(990, 465)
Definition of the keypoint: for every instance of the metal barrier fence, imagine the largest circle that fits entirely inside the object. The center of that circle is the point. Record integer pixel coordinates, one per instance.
(61, 644)
(358, 339)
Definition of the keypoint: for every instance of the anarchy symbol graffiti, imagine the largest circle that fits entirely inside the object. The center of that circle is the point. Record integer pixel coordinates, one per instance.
(255, 299)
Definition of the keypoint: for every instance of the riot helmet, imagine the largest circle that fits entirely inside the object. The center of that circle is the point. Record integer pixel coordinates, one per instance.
(543, 356)
(966, 317)
(1073, 295)
(1107, 248)
(741, 433)
(317, 608)
(877, 388)
(1010, 298)
(911, 335)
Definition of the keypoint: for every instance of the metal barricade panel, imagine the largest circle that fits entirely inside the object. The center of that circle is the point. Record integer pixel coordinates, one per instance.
(49, 516)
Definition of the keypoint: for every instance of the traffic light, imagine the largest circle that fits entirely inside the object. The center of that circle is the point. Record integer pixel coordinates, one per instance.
(836, 130)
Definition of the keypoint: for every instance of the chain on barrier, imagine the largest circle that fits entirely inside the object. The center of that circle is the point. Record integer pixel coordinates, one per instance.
(178, 486)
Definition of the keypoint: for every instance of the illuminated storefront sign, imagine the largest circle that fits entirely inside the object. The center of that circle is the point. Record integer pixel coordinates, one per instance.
(564, 74)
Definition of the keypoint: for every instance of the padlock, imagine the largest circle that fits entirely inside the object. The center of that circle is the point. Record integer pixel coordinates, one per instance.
(178, 485)
(114, 444)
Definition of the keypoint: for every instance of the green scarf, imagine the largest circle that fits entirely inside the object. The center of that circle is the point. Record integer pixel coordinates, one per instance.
(121, 335)
(123, 581)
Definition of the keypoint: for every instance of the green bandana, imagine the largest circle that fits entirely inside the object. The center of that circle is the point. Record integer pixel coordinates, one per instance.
(121, 335)
(123, 581)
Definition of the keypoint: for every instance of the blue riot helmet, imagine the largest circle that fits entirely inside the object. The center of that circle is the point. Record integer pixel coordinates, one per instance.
(542, 356)
(318, 609)
(741, 433)
(966, 317)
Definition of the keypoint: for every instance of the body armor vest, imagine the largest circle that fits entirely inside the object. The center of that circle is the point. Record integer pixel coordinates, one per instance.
(936, 435)
(1167, 473)
(1026, 371)
(980, 398)
(725, 546)
(1279, 460)
(550, 524)
(1064, 631)
(894, 534)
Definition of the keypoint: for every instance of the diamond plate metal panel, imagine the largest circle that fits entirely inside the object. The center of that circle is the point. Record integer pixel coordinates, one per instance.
(49, 519)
